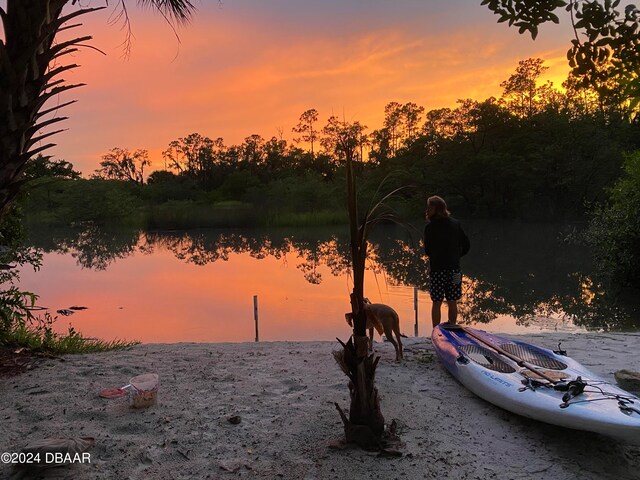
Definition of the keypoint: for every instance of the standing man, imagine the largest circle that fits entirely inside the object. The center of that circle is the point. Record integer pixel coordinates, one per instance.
(444, 243)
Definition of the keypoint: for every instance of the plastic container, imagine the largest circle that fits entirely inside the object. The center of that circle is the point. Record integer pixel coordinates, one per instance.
(143, 392)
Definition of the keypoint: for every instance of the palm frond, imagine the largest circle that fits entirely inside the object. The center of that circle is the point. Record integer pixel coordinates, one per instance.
(179, 11)
(380, 210)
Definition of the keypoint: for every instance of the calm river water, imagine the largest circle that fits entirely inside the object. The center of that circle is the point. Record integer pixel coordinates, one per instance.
(199, 285)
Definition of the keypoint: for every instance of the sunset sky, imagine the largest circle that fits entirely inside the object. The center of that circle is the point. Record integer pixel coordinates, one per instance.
(253, 66)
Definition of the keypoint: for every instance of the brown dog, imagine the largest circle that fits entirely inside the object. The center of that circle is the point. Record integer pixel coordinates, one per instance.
(384, 319)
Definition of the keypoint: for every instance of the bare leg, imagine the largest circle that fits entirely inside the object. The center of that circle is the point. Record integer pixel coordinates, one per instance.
(435, 313)
(453, 311)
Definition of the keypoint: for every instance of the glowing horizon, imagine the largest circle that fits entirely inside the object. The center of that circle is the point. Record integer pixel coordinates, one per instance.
(246, 68)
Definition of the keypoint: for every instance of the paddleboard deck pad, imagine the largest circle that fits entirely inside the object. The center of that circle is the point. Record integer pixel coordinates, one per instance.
(536, 382)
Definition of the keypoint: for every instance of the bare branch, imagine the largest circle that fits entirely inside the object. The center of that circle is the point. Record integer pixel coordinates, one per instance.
(573, 21)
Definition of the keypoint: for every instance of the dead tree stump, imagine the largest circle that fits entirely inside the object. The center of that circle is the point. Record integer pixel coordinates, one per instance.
(365, 424)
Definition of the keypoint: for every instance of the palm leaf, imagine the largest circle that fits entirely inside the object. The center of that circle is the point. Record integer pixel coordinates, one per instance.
(380, 210)
(179, 11)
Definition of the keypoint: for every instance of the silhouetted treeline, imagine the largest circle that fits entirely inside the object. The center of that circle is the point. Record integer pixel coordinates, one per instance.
(534, 153)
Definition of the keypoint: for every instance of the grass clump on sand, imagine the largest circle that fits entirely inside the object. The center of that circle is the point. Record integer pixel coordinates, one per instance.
(424, 357)
(37, 335)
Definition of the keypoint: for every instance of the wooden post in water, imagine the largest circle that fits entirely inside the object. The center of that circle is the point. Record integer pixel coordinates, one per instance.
(415, 308)
(255, 315)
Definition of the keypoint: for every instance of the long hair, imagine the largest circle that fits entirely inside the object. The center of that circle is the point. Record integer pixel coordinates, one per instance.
(439, 206)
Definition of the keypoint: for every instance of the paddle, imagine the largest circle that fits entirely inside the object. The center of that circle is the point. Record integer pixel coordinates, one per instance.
(515, 358)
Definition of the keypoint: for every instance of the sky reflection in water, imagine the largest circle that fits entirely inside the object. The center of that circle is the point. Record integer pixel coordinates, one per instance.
(198, 286)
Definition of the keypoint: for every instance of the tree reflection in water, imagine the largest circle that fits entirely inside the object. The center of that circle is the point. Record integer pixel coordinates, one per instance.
(518, 270)
(93, 246)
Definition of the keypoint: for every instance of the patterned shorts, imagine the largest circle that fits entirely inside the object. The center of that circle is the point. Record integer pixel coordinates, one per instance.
(446, 284)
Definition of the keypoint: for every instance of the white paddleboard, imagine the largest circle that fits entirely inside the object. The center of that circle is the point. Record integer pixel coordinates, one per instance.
(537, 383)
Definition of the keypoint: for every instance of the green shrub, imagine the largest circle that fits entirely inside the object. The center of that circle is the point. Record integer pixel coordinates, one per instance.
(15, 304)
(614, 229)
(97, 200)
(237, 184)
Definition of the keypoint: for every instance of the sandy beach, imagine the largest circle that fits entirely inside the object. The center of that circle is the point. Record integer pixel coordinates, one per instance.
(283, 394)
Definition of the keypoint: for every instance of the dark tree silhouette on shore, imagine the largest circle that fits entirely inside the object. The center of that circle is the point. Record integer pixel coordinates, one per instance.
(306, 128)
(31, 65)
(122, 164)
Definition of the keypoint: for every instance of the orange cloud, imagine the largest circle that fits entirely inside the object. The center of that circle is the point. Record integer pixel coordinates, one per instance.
(233, 75)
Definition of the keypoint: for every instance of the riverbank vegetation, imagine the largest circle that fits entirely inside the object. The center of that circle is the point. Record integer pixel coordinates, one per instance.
(22, 327)
(536, 153)
(38, 336)
(614, 230)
